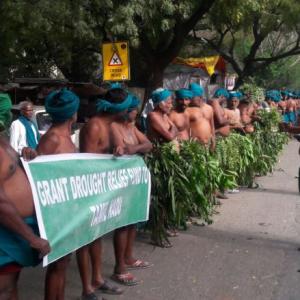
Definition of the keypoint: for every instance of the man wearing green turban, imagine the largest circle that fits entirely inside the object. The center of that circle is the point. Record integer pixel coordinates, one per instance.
(161, 128)
(178, 115)
(127, 139)
(221, 92)
(95, 137)
(233, 113)
(62, 105)
(201, 117)
(220, 119)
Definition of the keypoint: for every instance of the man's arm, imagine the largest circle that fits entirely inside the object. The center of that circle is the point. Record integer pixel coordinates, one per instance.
(291, 129)
(120, 146)
(213, 132)
(168, 135)
(221, 119)
(17, 136)
(144, 145)
(11, 219)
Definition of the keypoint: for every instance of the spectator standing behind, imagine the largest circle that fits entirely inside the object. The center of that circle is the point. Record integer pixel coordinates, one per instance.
(23, 132)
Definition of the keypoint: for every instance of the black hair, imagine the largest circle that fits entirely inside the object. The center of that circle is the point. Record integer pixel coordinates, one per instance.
(116, 95)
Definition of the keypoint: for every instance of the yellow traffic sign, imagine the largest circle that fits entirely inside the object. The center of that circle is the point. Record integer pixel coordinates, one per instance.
(115, 60)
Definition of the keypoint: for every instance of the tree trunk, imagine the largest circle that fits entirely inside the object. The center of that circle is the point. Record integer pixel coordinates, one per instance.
(155, 79)
(239, 82)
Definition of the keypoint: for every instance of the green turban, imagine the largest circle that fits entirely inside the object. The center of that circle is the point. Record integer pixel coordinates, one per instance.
(61, 105)
(103, 105)
(184, 94)
(273, 95)
(196, 89)
(5, 113)
(135, 102)
(221, 92)
(160, 95)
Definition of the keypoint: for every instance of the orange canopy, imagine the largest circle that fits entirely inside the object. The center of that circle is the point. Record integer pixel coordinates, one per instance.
(209, 63)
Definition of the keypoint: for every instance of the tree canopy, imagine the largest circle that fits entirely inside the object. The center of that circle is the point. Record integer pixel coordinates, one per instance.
(254, 35)
(41, 37)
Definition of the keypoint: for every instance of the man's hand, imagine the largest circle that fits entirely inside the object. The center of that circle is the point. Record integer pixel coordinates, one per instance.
(119, 151)
(130, 149)
(41, 245)
(212, 147)
(29, 153)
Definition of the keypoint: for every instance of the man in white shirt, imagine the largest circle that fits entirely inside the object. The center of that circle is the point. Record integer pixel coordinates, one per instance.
(23, 132)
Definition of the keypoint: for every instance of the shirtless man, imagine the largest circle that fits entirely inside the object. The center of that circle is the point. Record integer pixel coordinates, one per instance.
(201, 117)
(161, 128)
(272, 98)
(178, 115)
(291, 109)
(95, 138)
(18, 225)
(62, 106)
(248, 114)
(127, 139)
(221, 122)
(233, 113)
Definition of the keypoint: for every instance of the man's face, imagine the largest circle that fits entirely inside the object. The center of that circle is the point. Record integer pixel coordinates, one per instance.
(196, 101)
(183, 103)
(27, 111)
(269, 101)
(122, 115)
(222, 99)
(234, 103)
(132, 115)
(166, 106)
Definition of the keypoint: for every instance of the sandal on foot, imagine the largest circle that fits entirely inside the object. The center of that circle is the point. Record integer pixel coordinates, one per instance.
(172, 233)
(221, 195)
(91, 296)
(110, 289)
(126, 279)
(138, 264)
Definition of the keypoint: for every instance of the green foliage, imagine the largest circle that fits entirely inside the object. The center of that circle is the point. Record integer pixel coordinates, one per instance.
(284, 73)
(236, 154)
(253, 35)
(183, 185)
(268, 120)
(39, 37)
(254, 92)
(156, 20)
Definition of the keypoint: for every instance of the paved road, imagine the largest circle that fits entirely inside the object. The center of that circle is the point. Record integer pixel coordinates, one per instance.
(251, 252)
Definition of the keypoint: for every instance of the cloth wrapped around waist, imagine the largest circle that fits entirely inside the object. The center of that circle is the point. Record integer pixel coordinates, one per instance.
(14, 249)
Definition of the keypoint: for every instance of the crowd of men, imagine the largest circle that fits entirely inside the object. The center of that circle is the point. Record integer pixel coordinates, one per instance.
(175, 117)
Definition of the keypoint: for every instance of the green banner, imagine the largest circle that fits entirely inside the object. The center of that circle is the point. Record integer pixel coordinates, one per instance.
(80, 197)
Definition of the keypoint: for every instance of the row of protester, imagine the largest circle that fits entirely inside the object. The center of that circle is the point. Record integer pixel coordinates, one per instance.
(195, 150)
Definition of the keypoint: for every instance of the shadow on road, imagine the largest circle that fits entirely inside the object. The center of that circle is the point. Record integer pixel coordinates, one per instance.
(272, 191)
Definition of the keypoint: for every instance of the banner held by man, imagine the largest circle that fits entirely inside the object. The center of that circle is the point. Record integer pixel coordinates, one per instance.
(81, 197)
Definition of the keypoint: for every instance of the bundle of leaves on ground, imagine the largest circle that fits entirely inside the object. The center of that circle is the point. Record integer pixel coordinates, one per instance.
(236, 154)
(183, 185)
(255, 154)
(267, 141)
